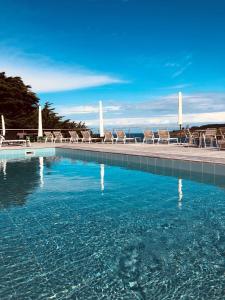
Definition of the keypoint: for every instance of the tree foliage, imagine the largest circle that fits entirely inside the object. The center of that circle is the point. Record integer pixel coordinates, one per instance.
(19, 105)
(51, 119)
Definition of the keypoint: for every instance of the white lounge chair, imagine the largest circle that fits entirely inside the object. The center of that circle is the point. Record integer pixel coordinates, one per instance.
(210, 135)
(3, 141)
(86, 137)
(58, 137)
(149, 136)
(108, 137)
(121, 137)
(48, 136)
(74, 137)
(164, 136)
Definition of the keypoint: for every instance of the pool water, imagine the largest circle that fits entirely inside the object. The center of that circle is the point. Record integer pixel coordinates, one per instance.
(78, 227)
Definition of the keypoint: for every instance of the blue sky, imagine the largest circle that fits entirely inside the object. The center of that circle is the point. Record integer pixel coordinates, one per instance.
(134, 55)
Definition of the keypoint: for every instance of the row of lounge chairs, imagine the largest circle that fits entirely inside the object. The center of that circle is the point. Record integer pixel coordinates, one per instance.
(57, 137)
(120, 136)
(201, 138)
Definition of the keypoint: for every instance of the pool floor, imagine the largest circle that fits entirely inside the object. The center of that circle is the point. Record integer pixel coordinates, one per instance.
(76, 229)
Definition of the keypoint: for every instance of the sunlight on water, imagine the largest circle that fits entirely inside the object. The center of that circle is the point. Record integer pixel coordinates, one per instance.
(78, 228)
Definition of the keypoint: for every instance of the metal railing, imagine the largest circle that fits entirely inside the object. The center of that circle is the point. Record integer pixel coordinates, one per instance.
(32, 133)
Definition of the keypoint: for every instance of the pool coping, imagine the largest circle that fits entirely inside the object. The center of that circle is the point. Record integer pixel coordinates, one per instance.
(159, 156)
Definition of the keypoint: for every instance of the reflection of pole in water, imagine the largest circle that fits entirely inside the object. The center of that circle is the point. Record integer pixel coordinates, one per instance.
(180, 192)
(102, 175)
(3, 166)
(41, 170)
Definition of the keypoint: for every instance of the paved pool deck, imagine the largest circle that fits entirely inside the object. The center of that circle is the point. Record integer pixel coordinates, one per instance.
(172, 151)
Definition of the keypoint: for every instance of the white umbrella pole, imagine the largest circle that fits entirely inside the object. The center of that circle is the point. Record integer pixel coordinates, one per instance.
(40, 131)
(3, 125)
(180, 110)
(101, 122)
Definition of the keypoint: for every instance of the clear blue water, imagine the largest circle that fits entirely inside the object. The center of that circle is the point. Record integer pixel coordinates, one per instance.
(77, 226)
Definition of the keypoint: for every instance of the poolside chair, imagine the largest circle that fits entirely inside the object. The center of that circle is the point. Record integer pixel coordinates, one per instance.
(221, 144)
(222, 132)
(210, 135)
(3, 141)
(58, 137)
(149, 136)
(48, 136)
(74, 137)
(86, 137)
(108, 137)
(164, 136)
(121, 137)
(191, 138)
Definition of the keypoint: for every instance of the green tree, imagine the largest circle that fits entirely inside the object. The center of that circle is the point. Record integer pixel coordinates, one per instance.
(17, 102)
(52, 120)
(19, 105)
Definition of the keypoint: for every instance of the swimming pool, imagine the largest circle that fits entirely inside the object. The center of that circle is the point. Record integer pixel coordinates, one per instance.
(84, 225)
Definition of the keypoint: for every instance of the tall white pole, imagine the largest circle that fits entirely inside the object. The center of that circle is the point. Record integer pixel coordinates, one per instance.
(101, 122)
(40, 130)
(180, 110)
(3, 125)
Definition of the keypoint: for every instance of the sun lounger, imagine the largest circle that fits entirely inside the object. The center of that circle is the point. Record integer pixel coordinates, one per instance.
(164, 136)
(221, 144)
(48, 136)
(108, 137)
(86, 137)
(210, 135)
(3, 141)
(74, 137)
(121, 137)
(58, 137)
(149, 136)
(191, 138)
(222, 132)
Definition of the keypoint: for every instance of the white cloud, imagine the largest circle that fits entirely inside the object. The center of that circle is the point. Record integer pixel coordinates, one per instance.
(45, 76)
(176, 87)
(180, 65)
(85, 109)
(192, 103)
(166, 120)
(181, 70)
(197, 108)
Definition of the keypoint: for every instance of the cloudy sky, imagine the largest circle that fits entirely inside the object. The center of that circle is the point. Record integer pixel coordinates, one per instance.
(134, 55)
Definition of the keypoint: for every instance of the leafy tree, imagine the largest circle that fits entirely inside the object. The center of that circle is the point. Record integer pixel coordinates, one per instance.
(17, 102)
(51, 119)
(19, 105)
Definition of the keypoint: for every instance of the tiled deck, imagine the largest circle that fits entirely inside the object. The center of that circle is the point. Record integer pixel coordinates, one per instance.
(160, 151)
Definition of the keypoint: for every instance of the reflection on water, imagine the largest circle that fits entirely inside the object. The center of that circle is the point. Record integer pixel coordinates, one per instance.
(200, 172)
(21, 178)
(102, 176)
(41, 168)
(180, 192)
(3, 166)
